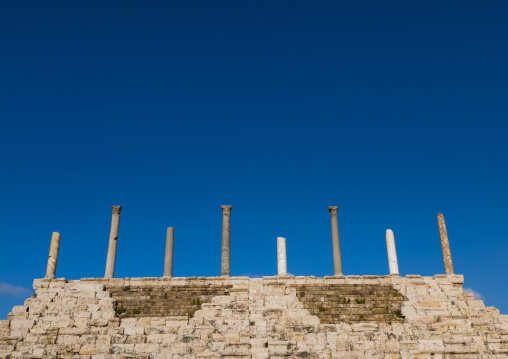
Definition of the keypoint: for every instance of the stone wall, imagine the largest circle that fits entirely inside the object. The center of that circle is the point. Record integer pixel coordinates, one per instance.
(351, 303)
(164, 300)
(242, 318)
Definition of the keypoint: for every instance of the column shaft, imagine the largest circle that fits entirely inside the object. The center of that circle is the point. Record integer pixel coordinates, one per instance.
(445, 245)
(225, 269)
(337, 260)
(53, 255)
(113, 239)
(392, 254)
(168, 259)
(282, 266)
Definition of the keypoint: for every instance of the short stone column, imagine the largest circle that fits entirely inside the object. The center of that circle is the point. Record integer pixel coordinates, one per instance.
(168, 259)
(445, 245)
(392, 254)
(225, 263)
(113, 240)
(53, 255)
(337, 261)
(282, 264)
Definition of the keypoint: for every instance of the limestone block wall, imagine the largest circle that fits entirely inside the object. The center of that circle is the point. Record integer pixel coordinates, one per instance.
(351, 303)
(256, 318)
(139, 300)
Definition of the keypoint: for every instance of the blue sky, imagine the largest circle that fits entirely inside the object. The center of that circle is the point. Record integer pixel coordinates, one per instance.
(394, 111)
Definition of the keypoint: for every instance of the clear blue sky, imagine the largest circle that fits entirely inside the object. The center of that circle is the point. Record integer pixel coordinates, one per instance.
(393, 111)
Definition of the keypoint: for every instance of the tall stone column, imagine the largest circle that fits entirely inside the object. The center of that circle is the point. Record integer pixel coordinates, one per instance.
(337, 261)
(113, 239)
(282, 265)
(445, 245)
(225, 263)
(168, 259)
(53, 255)
(392, 254)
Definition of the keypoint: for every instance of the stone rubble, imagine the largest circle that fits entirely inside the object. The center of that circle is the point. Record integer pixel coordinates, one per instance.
(257, 318)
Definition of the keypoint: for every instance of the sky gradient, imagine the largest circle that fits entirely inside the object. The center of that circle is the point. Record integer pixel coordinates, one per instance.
(393, 111)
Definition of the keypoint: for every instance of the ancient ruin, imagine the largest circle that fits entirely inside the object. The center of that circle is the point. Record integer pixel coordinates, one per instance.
(241, 318)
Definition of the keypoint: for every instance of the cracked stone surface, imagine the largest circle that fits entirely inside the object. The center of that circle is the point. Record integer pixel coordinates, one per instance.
(240, 318)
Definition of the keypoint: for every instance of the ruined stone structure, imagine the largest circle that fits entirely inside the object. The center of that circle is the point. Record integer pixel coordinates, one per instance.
(242, 318)
(276, 317)
(113, 242)
(337, 260)
(225, 269)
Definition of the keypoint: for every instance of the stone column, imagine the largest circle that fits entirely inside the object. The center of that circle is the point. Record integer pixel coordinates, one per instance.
(53, 255)
(445, 245)
(392, 254)
(282, 265)
(113, 239)
(337, 261)
(168, 259)
(225, 263)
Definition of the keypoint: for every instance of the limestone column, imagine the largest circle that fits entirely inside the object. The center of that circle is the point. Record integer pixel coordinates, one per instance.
(113, 239)
(168, 259)
(392, 254)
(445, 245)
(337, 261)
(282, 265)
(53, 255)
(225, 264)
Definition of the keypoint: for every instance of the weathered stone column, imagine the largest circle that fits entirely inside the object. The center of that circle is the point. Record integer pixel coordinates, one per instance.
(168, 259)
(337, 261)
(53, 255)
(445, 245)
(392, 254)
(282, 265)
(225, 263)
(113, 239)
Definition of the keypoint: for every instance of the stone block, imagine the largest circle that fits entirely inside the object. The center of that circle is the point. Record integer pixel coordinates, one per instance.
(100, 322)
(431, 346)
(364, 327)
(113, 322)
(211, 313)
(135, 339)
(476, 304)
(456, 279)
(176, 321)
(21, 323)
(128, 322)
(145, 348)
(122, 348)
(19, 309)
(90, 349)
(74, 331)
(116, 282)
(134, 330)
(354, 279)
(144, 321)
(156, 330)
(371, 279)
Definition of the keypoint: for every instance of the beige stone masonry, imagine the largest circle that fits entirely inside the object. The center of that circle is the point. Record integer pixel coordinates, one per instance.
(257, 318)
